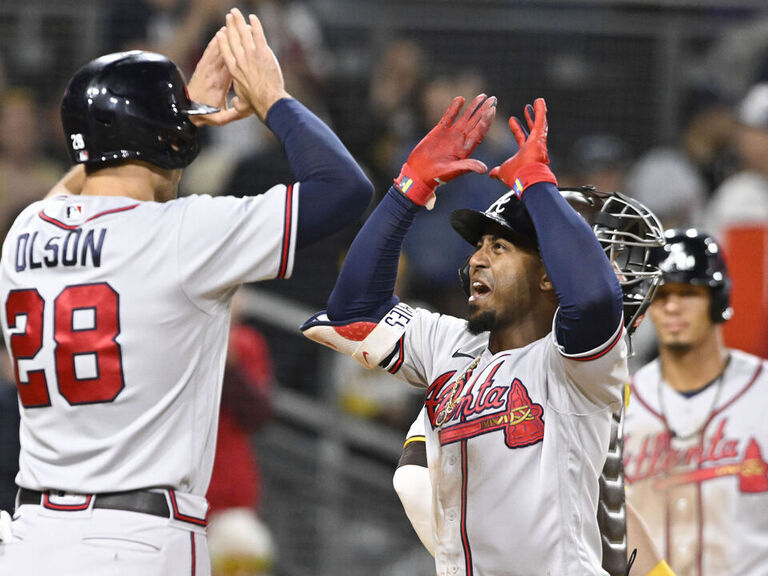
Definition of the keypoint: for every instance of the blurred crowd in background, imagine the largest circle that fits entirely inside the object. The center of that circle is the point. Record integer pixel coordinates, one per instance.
(683, 129)
(680, 124)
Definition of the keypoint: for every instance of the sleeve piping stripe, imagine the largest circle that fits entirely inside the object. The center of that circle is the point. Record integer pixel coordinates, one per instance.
(60, 224)
(400, 358)
(602, 352)
(287, 229)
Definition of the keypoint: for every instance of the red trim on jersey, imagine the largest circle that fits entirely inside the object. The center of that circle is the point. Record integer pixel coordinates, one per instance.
(66, 507)
(603, 352)
(464, 537)
(732, 400)
(194, 553)
(700, 506)
(61, 224)
(636, 395)
(183, 517)
(285, 253)
(400, 357)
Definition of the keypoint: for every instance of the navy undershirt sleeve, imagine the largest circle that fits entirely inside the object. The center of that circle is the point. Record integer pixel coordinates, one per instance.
(334, 191)
(367, 279)
(587, 288)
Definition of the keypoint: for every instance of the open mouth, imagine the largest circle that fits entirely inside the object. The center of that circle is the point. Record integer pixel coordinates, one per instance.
(478, 290)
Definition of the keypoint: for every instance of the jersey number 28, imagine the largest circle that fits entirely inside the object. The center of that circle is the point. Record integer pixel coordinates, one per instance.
(85, 327)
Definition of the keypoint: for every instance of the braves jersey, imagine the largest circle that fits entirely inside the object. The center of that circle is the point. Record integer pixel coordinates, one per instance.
(116, 314)
(695, 468)
(515, 445)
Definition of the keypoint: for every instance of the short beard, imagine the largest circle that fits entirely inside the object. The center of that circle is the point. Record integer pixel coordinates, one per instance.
(679, 347)
(483, 322)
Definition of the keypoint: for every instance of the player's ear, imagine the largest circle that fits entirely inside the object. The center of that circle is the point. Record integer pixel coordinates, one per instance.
(545, 284)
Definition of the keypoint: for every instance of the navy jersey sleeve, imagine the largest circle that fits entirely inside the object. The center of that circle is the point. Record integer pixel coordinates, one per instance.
(333, 190)
(587, 288)
(367, 279)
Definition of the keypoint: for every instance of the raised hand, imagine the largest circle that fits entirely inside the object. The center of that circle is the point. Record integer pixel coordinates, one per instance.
(258, 80)
(530, 164)
(210, 84)
(443, 154)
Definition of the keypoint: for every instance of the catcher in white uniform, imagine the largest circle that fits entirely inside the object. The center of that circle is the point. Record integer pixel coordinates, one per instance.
(116, 304)
(519, 397)
(696, 436)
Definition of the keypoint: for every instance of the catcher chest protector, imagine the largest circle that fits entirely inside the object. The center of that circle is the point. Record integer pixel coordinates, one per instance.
(130, 105)
(691, 256)
(611, 507)
(625, 228)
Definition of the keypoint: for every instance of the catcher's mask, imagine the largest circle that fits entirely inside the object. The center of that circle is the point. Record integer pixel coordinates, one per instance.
(130, 105)
(625, 228)
(691, 256)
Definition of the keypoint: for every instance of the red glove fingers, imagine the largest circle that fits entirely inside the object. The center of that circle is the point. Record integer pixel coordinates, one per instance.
(530, 164)
(443, 154)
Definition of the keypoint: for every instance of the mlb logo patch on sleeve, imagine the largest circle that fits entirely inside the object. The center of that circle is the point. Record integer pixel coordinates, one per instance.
(67, 211)
(73, 213)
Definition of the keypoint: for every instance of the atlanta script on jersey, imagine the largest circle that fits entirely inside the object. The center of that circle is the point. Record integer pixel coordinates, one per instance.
(515, 444)
(696, 471)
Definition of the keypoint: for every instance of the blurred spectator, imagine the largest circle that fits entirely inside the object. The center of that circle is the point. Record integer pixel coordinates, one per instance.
(241, 155)
(668, 183)
(707, 135)
(245, 407)
(376, 114)
(600, 160)
(9, 433)
(26, 174)
(297, 38)
(3, 79)
(738, 58)
(239, 544)
(175, 28)
(743, 197)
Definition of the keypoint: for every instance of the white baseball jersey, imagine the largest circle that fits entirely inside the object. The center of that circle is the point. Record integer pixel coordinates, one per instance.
(695, 468)
(515, 463)
(116, 313)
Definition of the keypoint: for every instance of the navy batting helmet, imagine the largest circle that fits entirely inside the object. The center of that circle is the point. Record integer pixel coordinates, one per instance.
(691, 256)
(130, 105)
(625, 228)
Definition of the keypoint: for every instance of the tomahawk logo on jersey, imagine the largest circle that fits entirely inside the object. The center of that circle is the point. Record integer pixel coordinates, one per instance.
(469, 410)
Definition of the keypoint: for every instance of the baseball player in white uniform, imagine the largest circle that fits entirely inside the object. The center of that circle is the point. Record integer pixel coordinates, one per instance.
(412, 477)
(518, 398)
(696, 436)
(116, 305)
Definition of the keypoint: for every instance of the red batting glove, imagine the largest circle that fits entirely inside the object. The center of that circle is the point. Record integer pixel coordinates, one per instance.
(530, 164)
(443, 154)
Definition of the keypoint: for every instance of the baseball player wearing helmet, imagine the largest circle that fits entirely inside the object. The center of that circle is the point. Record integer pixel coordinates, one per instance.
(116, 303)
(627, 231)
(519, 397)
(696, 437)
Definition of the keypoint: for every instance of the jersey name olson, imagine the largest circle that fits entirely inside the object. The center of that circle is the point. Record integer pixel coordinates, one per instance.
(75, 248)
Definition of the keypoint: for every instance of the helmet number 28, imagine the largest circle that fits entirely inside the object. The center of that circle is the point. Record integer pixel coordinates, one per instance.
(88, 361)
(78, 142)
